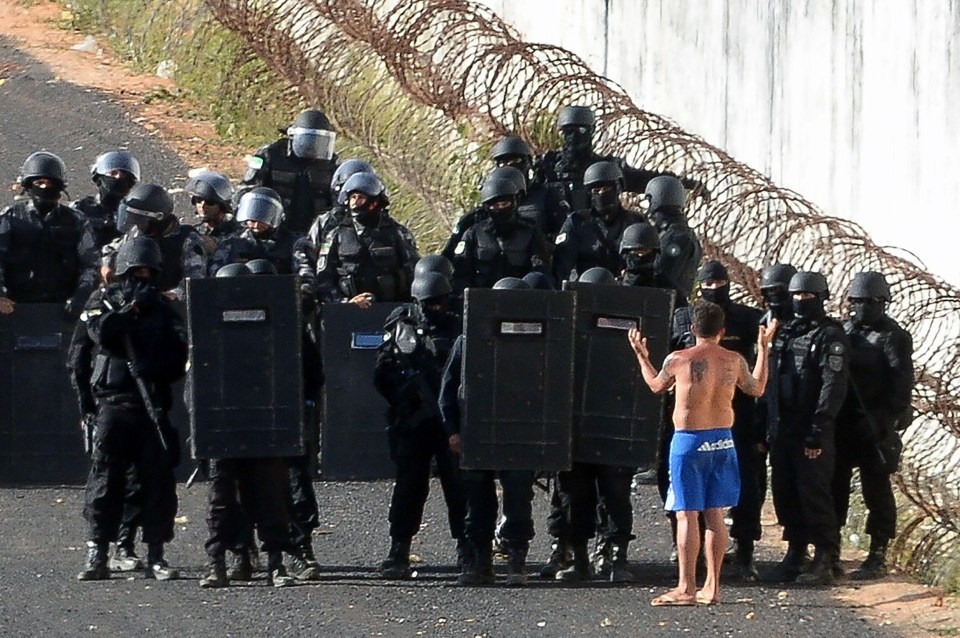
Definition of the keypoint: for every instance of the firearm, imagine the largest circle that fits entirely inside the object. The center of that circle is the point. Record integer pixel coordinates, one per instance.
(87, 424)
(152, 410)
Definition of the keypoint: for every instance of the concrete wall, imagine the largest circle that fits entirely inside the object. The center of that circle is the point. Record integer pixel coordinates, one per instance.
(852, 103)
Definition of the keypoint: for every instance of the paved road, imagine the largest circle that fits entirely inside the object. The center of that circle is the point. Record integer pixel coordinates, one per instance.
(42, 533)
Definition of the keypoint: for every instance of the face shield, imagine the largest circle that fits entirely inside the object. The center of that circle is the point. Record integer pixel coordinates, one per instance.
(310, 143)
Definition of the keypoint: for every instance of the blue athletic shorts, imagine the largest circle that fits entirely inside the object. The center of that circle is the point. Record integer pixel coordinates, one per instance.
(703, 471)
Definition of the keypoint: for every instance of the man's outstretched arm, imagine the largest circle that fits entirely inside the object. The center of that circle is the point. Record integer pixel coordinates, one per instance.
(657, 381)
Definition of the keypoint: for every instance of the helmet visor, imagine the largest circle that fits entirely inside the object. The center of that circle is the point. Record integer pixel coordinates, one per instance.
(310, 143)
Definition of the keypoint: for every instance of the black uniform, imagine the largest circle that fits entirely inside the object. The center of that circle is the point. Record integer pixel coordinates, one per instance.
(303, 184)
(411, 384)
(48, 258)
(102, 217)
(812, 365)
(125, 434)
(183, 256)
(485, 255)
(586, 241)
(876, 408)
(212, 236)
(680, 250)
(354, 258)
(279, 248)
(564, 172)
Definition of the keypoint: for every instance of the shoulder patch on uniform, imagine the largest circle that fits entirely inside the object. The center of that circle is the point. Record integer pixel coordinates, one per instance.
(673, 250)
(461, 248)
(835, 363)
(321, 262)
(254, 162)
(836, 348)
(562, 237)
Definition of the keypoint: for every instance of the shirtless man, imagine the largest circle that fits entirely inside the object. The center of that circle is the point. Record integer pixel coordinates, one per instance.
(703, 464)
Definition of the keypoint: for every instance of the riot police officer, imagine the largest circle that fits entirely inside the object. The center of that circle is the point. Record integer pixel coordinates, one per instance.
(139, 350)
(517, 529)
(680, 250)
(299, 167)
(368, 256)
(740, 336)
(47, 250)
(325, 221)
(499, 246)
(543, 205)
(591, 237)
(149, 208)
(408, 372)
(114, 173)
(564, 169)
(211, 194)
(774, 283)
(813, 369)
(242, 490)
(876, 409)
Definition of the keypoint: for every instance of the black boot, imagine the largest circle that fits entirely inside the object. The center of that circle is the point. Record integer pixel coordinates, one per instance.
(821, 570)
(744, 561)
(217, 576)
(125, 559)
(793, 563)
(96, 567)
(462, 552)
(276, 573)
(602, 557)
(560, 559)
(303, 564)
(242, 567)
(397, 564)
(619, 569)
(580, 569)
(517, 574)
(876, 564)
(478, 569)
(156, 566)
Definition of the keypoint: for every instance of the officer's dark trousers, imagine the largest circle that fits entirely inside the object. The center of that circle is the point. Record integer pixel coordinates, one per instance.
(481, 490)
(125, 435)
(753, 472)
(302, 500)
(877, 491)
(557, 519)
(802, 495)
(260, 485)
(132, 503)
(412, 452)
(588, 485)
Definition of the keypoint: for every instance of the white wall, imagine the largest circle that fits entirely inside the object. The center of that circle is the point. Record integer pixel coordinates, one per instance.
(852, 103)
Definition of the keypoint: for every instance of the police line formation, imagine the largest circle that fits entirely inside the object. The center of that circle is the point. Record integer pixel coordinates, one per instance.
(549, 236)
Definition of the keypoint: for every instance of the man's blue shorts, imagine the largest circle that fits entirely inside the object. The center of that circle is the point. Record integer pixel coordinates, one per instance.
(703, 471)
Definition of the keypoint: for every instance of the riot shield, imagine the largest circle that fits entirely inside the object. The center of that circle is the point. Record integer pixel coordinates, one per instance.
(353, 437)
(518, 379)
(245, 391)
(615, 415)
(40, 437)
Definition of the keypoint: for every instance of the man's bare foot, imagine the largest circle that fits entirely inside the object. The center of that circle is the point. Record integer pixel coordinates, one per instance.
(674, 598)
(703, 597)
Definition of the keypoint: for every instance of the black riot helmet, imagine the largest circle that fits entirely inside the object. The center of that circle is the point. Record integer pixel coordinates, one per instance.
(511, 283)
(210, 186)
(312, 136)
(345, 171)
(714, 271)
(815, 284)
(138, 252)
(597, 275)
(579, 116)
(776, 276)
(43, 164)
(111, 161)
(869, 285)
(512, 151)
(147, 206)
(638, 237)
(665, 191)
(538, 280)
(604, 172)
(500, 198)
(498, 188)
(430, 285)
(234, 270)
(605, 182)
(513, 174)
(433, 263)
(370, 186)
(261, 267)
(260, 204)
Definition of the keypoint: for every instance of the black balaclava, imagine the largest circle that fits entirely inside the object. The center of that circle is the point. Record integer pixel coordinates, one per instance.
(503, 218)
(867, 312)
(113, 189)
(576, 144)
(640, 271)
(435, 309)
(142, 290)
(666, 216)
(45, 199)
(779, 301)
(714, 270)
(606, 204)
(808, 308)
(367, 215)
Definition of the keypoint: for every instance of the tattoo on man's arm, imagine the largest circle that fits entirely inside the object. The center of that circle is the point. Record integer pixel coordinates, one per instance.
(698, 369)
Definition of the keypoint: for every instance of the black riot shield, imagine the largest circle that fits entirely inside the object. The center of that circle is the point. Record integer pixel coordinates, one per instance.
(353, 438)
(40, 437)
(518, 379)
(615, 415)
(245, 392)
